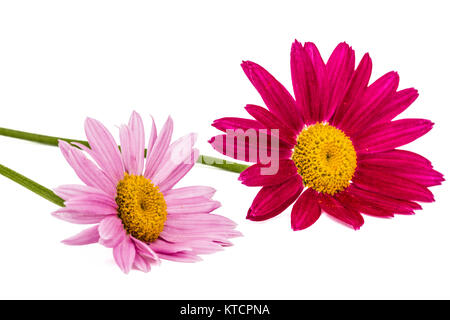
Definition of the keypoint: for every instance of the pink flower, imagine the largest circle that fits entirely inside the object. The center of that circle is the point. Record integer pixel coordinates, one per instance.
(131, 201)
(337, 142)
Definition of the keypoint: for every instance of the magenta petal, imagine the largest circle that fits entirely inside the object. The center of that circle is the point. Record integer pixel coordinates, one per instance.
(375, 204)
(395, 158)
(241, 126)
(124, 254)
(338, 211)
(276, 97)
(86, 236)
(340, 68)
(354, 92)
(272, 200)
(391, 135)
(391, 186)
(367, 207)
(224, 124)
(405, 164)
(398, 103)
(270, 121)
(326, 110)
(376, 95)
(252, 176)
(424, 176)
(307, 85)
(247, 148)
(305, 211)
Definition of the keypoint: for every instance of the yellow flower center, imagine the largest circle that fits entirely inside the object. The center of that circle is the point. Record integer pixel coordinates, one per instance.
(142, 207)
(325, 158)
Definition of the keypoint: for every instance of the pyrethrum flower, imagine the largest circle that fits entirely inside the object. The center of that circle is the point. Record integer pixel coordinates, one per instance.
(131, 201)
(337, 142)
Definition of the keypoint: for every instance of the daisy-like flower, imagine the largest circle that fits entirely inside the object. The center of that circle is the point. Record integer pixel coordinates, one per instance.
(130, 199)
(337, 142)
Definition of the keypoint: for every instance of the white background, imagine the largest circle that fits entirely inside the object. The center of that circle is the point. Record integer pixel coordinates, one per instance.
(61, 61)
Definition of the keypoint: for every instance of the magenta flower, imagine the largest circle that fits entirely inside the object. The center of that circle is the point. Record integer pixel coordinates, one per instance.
(131, 200)
(337, 142)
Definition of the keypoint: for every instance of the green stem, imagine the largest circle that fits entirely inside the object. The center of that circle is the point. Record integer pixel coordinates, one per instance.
(53, 141)
(31, 185)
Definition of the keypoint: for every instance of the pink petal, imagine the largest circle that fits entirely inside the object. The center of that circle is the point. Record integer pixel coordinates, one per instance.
(189, 192)
(86, 236)
(104, 149)
(252, 176)
(111, 231)
(136, 126)
(68, 191)
(391, 135)
(272, 200)
(92, 203)
(275, 96)
(181, 257)
(159, 149)
(191, 205)
(124, 254)
(179, 152)
(180, 233)
(195, 221)
(205, 247)
(337, 210)
(152, 138)
(145, 250)
(305, 211)
(86, 170)
(79, 217)
(141, 263)
(127, 149)
(178, 173)
(163, 246)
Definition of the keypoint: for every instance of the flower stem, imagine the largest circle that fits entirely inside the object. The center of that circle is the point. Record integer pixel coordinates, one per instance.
(53, 141)
(31, 185)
